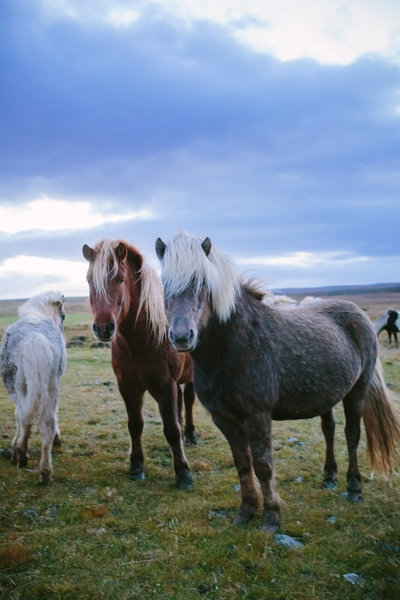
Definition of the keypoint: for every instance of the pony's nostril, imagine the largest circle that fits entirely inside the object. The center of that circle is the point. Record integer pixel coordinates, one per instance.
(95, 329)
(111, 327)
(191, 335)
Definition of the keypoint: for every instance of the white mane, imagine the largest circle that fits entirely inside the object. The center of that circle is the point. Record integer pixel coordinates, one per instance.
(151, 296)
(152, 300)
(48, 304)
(186, 264)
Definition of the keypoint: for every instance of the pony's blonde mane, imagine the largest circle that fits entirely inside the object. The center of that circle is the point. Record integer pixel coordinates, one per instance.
(186, 264)
(47, 304)
(105, 265)
(152, 300)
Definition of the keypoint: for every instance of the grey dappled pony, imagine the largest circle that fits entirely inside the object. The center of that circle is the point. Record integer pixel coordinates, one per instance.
(254, 363)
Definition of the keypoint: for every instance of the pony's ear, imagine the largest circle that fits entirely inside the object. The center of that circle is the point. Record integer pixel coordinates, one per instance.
(120, 251)
(160, 248)
(206, 245)
(88, 253)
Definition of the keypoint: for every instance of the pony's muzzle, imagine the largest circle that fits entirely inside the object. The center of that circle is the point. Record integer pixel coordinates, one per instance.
(104, 333)
(182, 340)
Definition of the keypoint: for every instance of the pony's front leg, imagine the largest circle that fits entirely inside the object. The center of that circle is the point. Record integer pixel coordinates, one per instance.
(259, 434)
(133, 403)
(237, 439)
(167, 400)
(190, 436)
(19, 453)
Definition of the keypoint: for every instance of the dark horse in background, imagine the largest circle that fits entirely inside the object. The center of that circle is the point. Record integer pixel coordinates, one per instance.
(126, 298)
(254, 363)
(389, 322)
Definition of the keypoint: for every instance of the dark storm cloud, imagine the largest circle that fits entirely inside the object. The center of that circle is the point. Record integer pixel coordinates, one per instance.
(266, 156)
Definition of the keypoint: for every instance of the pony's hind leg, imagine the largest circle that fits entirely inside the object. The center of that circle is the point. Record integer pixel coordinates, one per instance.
(353, 405)
(190, 436)
(330, 467)
(19, 453)
(47, 433)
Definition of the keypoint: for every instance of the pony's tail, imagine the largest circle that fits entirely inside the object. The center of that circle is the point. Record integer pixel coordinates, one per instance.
(382, 423)
(37, 366)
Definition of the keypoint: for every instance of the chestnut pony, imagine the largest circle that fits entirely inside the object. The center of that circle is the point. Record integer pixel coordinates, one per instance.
(126, 298)
(254, 363)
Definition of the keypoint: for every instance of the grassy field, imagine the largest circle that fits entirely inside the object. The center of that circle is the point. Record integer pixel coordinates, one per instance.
(94, 533)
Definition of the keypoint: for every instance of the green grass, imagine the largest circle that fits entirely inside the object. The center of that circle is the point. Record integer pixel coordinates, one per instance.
(94, 533)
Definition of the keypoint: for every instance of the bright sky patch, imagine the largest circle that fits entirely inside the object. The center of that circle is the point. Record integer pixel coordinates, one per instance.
(56, 215)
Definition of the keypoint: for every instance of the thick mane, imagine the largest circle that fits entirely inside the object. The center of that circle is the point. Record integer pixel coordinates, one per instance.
(48, 304)
(151, 300)
(186, 264)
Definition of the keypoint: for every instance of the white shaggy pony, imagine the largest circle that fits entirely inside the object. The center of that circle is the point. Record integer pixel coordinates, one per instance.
(33, 356)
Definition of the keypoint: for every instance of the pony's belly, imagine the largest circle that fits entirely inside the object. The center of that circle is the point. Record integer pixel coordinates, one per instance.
(292, 415)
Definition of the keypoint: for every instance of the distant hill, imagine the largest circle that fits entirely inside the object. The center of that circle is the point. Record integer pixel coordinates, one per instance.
(344, 290)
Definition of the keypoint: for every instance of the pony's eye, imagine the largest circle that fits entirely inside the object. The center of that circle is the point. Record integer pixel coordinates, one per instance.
(121, 281)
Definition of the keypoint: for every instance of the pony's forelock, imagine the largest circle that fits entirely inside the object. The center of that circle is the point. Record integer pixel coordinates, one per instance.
(105, 264)
(185, 264)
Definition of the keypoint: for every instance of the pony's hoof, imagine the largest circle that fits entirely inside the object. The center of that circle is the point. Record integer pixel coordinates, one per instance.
(137, 475)
(136, 471)
(354, 497)
(242, 520)
(44, 477)
(271, 522)
(57, 441)
(190, 438)
(184, 480)
(329, 484)
(19, 457)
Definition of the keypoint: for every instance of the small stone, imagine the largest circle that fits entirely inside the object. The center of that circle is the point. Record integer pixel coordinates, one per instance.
(355, 579)
(280, 539)
(30, 514)
(221, 514)
(331, 519)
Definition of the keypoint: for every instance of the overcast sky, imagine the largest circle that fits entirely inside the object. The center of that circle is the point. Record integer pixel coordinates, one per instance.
(272, 127)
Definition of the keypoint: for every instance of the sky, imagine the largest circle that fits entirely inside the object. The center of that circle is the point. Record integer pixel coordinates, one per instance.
(273, 128)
